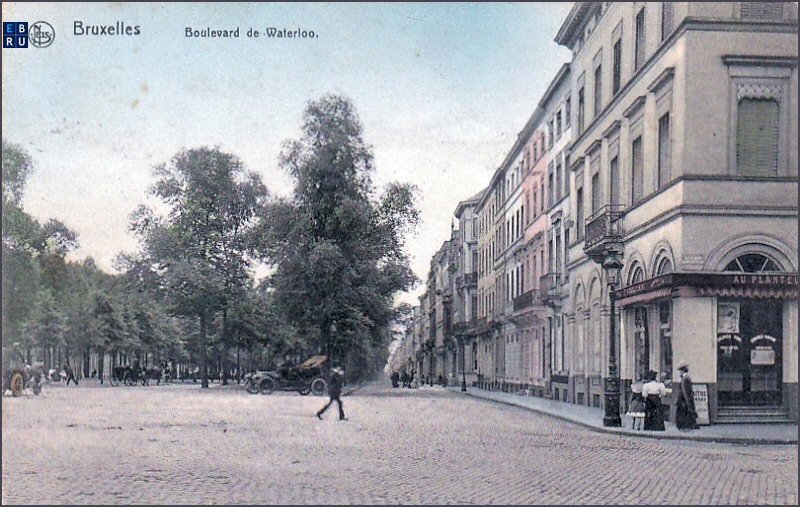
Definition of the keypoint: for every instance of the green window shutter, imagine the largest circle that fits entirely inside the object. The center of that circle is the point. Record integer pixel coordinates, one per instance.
(664, 154)
(757, 137)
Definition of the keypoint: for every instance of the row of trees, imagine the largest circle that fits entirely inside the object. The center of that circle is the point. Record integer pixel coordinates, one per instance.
(335, 249)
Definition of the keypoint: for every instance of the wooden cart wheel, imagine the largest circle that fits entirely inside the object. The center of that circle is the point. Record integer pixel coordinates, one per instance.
(17, 384)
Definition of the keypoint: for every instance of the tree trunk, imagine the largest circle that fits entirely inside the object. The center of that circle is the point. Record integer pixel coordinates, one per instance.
(101, 360)
(87, 358)
(224, 362)
(238, 366)
(203, 353)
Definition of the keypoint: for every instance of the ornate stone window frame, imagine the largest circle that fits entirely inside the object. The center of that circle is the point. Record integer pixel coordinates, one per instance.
(761, 77)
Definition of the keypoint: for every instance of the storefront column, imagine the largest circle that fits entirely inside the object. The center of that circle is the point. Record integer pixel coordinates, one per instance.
(790, 330)
(694, 340)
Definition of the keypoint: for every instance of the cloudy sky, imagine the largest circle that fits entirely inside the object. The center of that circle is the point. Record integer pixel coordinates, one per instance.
(442, 91)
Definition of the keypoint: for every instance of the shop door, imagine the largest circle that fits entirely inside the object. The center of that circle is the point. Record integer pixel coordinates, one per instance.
(749, 361)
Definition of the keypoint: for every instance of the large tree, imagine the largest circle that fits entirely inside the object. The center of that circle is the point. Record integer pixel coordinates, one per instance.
(338, 248)
(201, 250)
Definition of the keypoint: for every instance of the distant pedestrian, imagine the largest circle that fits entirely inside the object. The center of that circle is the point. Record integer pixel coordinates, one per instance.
(395, 378)
(685, 414)
(334, 391)
(403, 378)
(652, 392)
(70, 375)
(636, 406)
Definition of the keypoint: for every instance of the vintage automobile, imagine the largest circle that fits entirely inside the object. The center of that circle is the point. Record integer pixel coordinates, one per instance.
(307, 377)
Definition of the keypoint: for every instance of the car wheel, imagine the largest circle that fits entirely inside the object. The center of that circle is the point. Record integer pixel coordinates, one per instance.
(319, 386)
(251, 388)
(266, 386)
(305, 390)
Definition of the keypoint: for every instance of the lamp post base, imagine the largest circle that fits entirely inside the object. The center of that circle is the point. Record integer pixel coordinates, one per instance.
(463, 385)
(611, 393)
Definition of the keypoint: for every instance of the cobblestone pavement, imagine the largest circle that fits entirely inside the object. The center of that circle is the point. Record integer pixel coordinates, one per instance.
(178, 445)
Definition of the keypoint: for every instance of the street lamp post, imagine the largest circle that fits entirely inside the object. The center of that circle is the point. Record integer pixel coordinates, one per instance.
(463, 365)
(612, 266)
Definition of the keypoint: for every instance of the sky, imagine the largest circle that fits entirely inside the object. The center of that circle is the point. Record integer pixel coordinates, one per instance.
(441, 89)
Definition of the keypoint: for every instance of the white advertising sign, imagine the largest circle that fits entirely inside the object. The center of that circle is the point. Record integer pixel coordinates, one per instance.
(701, 403)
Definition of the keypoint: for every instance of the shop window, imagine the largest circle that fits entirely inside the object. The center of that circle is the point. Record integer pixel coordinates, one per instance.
(596, 400)
(665, 332)
(641, 341)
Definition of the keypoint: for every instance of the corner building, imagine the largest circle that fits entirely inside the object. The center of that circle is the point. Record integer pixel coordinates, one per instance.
(684, 156)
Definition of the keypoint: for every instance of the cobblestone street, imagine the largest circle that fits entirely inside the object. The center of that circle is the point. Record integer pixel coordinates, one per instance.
(178, 444)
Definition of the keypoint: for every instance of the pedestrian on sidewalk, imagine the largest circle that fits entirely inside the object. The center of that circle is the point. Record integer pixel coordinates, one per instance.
(334, 391)
(636, 406)
(652, 392)
(685, 414)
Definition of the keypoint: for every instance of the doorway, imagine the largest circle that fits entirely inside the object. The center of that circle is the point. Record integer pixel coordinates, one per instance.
(749, 352)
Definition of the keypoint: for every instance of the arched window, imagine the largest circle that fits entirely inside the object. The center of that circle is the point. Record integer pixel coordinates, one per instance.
(636, 275)
(664, 266)
(752, 263)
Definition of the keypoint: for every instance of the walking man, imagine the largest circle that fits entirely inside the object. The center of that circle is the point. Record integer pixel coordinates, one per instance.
(70, 374)
(334, 391)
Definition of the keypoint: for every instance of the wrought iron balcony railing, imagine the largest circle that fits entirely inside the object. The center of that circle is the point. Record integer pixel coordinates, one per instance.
(603, 227)
(527, 299)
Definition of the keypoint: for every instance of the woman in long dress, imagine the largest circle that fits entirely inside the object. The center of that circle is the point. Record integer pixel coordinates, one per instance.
(653, 391)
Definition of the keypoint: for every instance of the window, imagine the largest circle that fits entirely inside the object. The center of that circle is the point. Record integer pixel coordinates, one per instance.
(752, 263)
(550, 192)
(579, 212)
(616, 79)
(580, 110)
(542, 201)
(639, 50)
(762, 10)
(637, 173)
(664, 151)
(474, 261)
(757, 137)
(567, 112)
(550, 136)
(558, 124)
(667, 15)
(558, 178)
(595, 192)
(614, 177)
(598, 90)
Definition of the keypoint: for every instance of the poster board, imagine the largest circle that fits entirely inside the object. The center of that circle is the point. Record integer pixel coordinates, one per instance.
(700, 394)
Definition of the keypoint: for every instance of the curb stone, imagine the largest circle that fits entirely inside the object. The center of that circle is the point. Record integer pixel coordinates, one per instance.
(642, 434)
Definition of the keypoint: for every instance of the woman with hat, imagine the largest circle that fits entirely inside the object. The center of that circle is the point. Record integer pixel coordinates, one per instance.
(652, 392)
(636, 406)
(685, 414)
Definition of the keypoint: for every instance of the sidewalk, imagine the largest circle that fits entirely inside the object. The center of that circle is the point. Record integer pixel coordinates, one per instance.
(592, 418)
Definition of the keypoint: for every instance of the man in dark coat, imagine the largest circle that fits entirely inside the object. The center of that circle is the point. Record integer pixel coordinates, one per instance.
(685, 414)
(70, 374)
(334, 391)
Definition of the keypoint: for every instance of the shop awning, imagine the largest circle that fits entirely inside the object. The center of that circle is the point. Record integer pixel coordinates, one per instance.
(749, 292)
(645, 297)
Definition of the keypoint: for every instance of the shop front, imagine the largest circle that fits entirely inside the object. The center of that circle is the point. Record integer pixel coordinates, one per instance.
(737, 331)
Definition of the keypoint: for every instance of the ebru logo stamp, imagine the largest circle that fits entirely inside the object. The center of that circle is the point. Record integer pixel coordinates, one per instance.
(15, 34)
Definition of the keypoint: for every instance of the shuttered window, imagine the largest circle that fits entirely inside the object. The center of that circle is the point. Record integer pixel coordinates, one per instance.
(637, 175)
(667, 16)
(598, 90)
(757, 137)
(594, 165)
(579, 211)
(614, 176)
(762, 10)
(664, 151)
(616, 79)
(595, 192)
(639, 49)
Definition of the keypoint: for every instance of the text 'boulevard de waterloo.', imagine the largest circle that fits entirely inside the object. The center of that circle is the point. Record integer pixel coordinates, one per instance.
(651, 198)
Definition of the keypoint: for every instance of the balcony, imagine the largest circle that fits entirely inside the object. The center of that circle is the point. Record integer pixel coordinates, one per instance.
(527, 299)
(471, 279)
(550, 284)
(604, 231)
